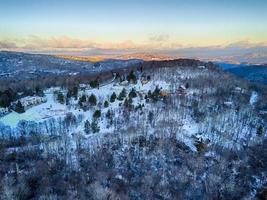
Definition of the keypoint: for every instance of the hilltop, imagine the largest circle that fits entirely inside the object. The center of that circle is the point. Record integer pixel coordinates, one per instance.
(149, 130)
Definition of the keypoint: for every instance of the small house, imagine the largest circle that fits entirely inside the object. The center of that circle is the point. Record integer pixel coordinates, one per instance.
(263, 112)
(163, 93)
(201, 67)
(181, 90)
(144, 80)
(228, 103)
(239, 90)
(124, 83)
(28, 102)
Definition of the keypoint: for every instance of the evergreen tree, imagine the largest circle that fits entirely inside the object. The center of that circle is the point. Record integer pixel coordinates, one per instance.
(138, 107)
(94, 84)
(132, 94)
(19, 108)
(60, 97)
(97, 114)
(131, 77)
(4, 101)
(75, 92)
(113, 97)
(156, 94)
(122, 94)
(82, 100)
(87, 127)
(106, 104)
(117, 76)
(95, 127)
(12, 96)
(39, 92)
(149, 94)
(128, 103)
(260, 130)
(92, 100)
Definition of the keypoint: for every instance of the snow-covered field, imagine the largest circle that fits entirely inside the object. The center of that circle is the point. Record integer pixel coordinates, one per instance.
(52, 108)
(37, 113)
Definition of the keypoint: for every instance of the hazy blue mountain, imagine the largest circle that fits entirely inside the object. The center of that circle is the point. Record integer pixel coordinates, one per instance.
(254, 73)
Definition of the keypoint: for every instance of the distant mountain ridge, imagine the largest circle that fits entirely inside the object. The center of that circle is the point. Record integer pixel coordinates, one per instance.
(134, 56)
(254, 73)
(28, 65)
(146, 57)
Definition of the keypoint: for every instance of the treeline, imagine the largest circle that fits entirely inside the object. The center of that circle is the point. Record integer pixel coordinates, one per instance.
(67, 80)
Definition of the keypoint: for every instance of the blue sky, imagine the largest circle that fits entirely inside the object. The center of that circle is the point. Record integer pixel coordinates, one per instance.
(139, 24)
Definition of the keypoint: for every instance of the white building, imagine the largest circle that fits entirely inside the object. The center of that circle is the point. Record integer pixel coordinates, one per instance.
(31, 101)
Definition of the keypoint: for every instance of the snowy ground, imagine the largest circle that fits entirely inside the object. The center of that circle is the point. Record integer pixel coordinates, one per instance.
(189, 131)
(37, 113)
(52, 108)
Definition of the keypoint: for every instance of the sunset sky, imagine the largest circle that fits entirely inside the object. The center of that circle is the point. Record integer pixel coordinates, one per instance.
(137, 25)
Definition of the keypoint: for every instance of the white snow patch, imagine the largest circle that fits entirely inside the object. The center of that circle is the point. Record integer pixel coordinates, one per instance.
(253, 98)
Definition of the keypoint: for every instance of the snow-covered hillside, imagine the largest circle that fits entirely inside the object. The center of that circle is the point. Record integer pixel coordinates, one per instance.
(180, 125)
(188, 128)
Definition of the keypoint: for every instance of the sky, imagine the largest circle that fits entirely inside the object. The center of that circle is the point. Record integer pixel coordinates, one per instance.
(117, 26)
